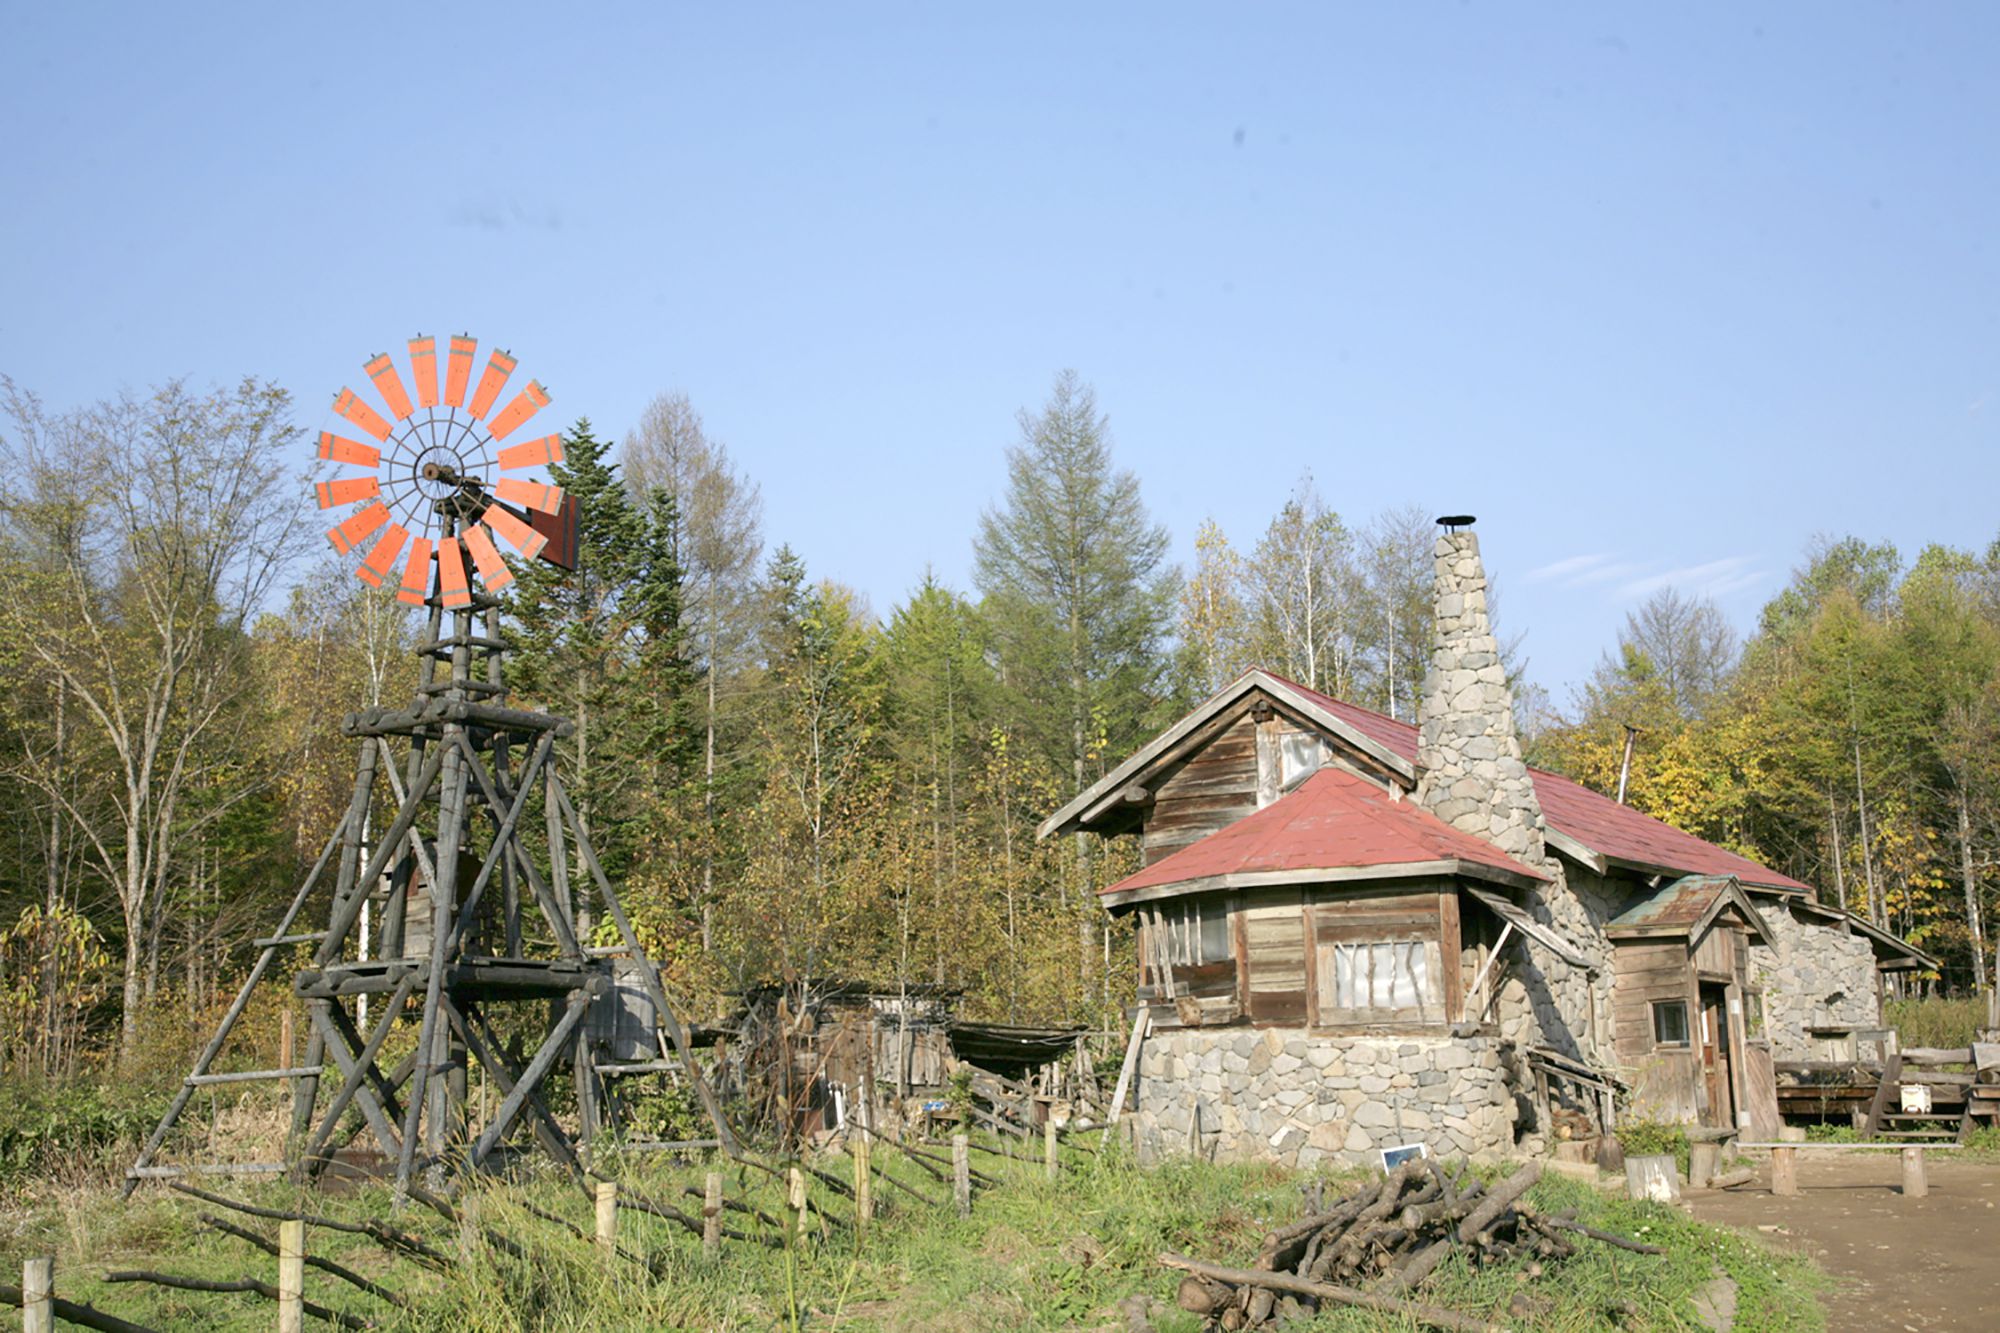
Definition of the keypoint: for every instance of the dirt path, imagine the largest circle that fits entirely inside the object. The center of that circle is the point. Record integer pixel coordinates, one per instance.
(1920, 1264)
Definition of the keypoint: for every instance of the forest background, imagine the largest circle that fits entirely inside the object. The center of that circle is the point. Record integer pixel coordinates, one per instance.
(791, 785)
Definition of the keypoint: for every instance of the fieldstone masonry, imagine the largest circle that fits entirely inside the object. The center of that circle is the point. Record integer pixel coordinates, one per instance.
(1281, 1095)
(1469, 759)
(1818, 976)
(1471, 775)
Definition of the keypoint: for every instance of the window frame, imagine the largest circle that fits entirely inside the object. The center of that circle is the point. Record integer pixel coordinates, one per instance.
(1419, 953)
(1195, 923)
(1658, 1009)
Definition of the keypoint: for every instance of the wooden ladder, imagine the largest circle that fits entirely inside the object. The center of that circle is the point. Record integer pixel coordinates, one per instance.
(1887, 1090)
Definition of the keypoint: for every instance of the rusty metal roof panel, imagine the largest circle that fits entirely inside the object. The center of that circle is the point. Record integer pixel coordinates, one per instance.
(1686, 907)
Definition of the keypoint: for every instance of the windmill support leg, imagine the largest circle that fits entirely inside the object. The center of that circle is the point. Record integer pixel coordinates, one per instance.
(372, 1108)
(531, 1077)
(233, 1013)
(343, 1035)
(478, 1036)
(724, 1135)
(431, 1057)
(365, 1062)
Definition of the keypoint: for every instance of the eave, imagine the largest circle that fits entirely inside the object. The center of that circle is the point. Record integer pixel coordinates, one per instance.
(1449, 867)
(1105, 795)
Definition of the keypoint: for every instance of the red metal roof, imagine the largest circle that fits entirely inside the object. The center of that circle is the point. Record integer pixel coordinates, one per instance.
(1333, 820)
(1598, 822)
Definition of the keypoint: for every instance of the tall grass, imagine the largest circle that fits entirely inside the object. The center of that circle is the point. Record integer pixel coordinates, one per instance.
(1935, 1020)
(1034, 1255)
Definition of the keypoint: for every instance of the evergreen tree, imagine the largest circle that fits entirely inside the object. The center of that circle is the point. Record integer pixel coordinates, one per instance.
(601, 644)
(1080, 597)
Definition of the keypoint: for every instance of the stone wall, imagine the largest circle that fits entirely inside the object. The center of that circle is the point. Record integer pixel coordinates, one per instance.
(1818, 976)
(1472, 776)
(1280, 1095)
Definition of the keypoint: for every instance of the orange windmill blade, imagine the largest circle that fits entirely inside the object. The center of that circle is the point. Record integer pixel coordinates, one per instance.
(429, 508)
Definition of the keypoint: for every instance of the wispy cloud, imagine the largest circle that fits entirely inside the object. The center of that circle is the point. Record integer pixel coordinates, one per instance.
(1564, 569)
(1710, 579)
(1582, 570)
(1625, 580)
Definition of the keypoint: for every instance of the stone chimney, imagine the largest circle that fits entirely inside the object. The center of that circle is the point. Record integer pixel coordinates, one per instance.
(1468, 756)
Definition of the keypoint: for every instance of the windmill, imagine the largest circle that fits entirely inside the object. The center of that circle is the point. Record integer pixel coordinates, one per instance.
(480, 909)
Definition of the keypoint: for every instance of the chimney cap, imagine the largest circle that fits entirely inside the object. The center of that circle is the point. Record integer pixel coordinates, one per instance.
(1453, 522)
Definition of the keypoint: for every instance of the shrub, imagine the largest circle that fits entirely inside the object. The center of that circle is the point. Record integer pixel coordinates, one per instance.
(43, 1124)
(1649, 1138)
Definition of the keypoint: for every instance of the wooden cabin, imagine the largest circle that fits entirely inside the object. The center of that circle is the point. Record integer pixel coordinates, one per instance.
(1294, 886)
(1688, 1015)
(1358, 933)
(1340, 907)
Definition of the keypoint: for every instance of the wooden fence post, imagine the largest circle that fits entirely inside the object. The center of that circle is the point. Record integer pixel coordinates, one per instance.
(961, 1173)
(607, 1216)
(291, 1276)
(38, 1295)
(711, 1216)
(1049, 1143)
(797, 1179)
(864, 1186)
(1915, 1186)
(1784, 1171)
(1704, 1163)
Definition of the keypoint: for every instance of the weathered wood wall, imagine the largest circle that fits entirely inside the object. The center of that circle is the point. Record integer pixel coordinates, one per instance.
(1212, 789)
(1666, 1080)
(1272, 943)
(1717, 951)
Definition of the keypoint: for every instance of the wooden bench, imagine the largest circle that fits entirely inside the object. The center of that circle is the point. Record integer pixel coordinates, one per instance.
(1784, 1162)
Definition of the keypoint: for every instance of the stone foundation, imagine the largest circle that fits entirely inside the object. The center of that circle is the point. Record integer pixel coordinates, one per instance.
(1280, 1095)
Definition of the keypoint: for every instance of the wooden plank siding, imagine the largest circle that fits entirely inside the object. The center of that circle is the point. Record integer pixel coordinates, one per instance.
(1271, 941)
(1214, 788)
(1717, 952)
(1642, 974)
(1666, 1080)
(1284, 982)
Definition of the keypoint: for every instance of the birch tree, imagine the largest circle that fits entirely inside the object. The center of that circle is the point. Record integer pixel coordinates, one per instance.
(717, 545)
(1214, 623)
(151, 529)
(1302, 593)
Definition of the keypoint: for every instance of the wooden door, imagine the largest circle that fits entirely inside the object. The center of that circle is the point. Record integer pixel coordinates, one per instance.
(1715, 1055)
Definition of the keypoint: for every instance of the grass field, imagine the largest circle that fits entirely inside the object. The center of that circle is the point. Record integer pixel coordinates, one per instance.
(1034, 1254)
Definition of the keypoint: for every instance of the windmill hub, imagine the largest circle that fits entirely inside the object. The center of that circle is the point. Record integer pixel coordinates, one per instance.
(443, 471)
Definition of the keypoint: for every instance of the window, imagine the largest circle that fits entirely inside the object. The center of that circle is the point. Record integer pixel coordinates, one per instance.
(1380, 981)
(1670, 1023)
(1380, 976)
(1196, 931)
(1300, 755)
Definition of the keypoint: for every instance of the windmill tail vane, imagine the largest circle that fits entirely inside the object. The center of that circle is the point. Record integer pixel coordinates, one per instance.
(480, 909)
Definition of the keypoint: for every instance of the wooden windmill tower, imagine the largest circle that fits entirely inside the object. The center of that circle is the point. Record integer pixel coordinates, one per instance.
(458, 824)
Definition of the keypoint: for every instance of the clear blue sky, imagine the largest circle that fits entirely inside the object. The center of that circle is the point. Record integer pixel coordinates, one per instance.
(1656, 291)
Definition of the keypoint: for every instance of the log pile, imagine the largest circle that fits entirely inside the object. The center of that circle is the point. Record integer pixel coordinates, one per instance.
(1386, 1237)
